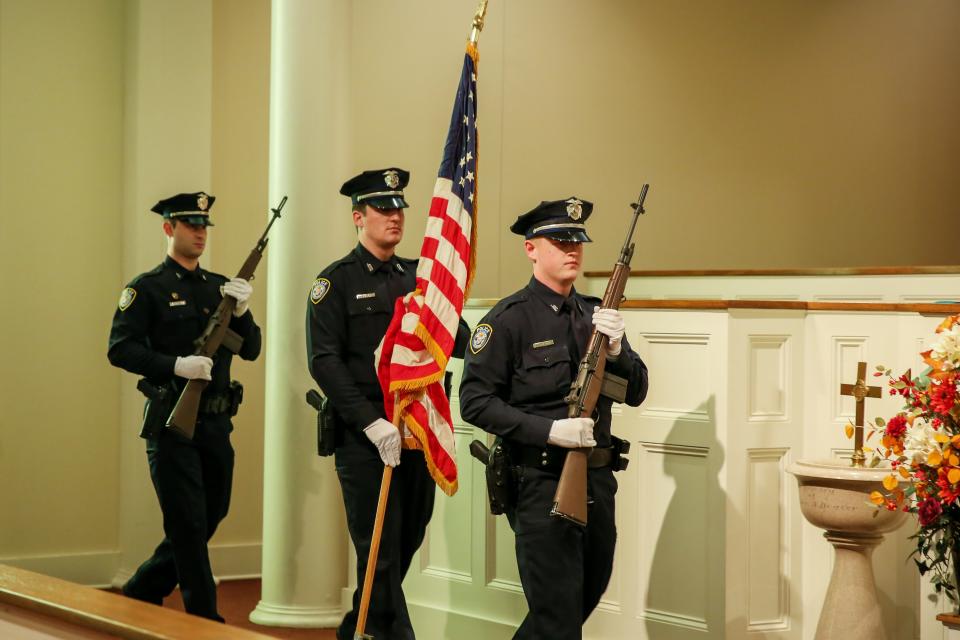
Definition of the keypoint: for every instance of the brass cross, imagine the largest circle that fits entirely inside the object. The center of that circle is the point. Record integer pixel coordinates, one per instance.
(859, 391)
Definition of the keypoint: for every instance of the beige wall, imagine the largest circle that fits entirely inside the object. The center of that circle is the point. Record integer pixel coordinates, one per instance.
(61, 99)
(241, 86)
(774, 134)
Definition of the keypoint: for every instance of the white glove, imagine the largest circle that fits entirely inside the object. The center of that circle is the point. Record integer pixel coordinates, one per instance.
(386, 438)
(572, 433)
(240, 289)
(609, 322)
(193, 367)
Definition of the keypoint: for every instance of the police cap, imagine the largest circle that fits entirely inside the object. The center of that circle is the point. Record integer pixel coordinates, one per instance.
(558, 219)
(382, 188)
(189, 207)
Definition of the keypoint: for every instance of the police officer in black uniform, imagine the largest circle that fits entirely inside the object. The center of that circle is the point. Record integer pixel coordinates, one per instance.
(161, 313)
(522, 359)
(350, 307)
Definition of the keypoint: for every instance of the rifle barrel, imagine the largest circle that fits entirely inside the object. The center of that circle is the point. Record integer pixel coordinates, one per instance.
(637, 210)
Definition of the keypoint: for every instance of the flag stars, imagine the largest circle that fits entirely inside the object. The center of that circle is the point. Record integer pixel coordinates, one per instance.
(466, 120)
(469, 156)
(470, 197)
(470, 95)
(463, 161)
(470, 176)
(462, 181)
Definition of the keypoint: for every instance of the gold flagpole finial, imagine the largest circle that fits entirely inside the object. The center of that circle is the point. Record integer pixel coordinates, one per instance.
(478, 22)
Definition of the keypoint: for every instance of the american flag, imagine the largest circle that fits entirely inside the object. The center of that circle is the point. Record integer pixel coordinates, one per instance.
(413, 355)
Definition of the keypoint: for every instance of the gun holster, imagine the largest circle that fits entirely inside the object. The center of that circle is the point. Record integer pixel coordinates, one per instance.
(501, 485)
(159, 404)
(326, 423)
(448, 383)
(620, 449)
(236, 397)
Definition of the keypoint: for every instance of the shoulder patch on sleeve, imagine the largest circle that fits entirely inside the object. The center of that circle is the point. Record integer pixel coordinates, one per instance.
(480, 338)
(126, 298)
(319, 290)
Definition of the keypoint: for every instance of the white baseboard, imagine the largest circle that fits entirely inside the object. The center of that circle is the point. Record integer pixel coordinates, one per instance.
(237, 561)
(93, 569)
(439, 624)
(102, 568)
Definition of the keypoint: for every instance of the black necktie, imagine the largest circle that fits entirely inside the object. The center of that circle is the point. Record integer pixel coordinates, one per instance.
(395, 284)
(567, 309)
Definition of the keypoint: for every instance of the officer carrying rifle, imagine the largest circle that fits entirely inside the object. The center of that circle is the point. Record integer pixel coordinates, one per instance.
(534, 376)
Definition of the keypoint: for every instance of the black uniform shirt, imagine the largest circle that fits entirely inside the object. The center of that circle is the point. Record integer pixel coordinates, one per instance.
(168, 309)
(349, 309)
(522, 359)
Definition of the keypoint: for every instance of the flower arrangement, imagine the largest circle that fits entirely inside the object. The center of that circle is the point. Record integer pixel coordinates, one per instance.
(922, 444)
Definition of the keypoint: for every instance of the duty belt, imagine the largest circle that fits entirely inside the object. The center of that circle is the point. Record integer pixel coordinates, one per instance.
(552, 458)
(217, 404)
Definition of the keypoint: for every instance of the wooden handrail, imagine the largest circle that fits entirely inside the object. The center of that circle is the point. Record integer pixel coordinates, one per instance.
(109, 612)
(799, 305)
(815, 272)
(950, 620)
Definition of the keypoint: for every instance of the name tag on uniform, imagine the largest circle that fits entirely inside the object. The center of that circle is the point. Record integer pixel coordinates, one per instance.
(178, 303)
(544, 343)
(364, 296)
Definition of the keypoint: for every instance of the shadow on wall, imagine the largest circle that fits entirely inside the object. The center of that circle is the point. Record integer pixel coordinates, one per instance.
(684, 596)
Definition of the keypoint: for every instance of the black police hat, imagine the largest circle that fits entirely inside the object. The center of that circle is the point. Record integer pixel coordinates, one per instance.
(559, 219)
(383, 188)
(189, 207)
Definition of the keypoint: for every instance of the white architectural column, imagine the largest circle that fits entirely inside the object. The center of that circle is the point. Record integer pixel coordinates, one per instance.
(166, 151)
(304, 534)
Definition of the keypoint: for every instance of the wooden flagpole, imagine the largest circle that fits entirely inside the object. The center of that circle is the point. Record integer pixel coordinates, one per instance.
(374, 552)
(358, 633)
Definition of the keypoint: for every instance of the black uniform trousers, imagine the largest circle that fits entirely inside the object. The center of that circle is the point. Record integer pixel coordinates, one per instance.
(409, 507)
(193, 481)
(564, 568)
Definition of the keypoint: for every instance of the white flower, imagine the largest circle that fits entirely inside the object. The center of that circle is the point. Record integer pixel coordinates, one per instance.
(947, 348)
(919, 441)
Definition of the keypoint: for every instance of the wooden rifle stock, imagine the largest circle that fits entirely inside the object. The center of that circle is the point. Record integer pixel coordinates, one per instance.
(570, 499)
(183, 418)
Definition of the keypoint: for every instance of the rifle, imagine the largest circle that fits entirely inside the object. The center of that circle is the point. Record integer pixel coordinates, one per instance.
(570, 500)
(183, 419)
